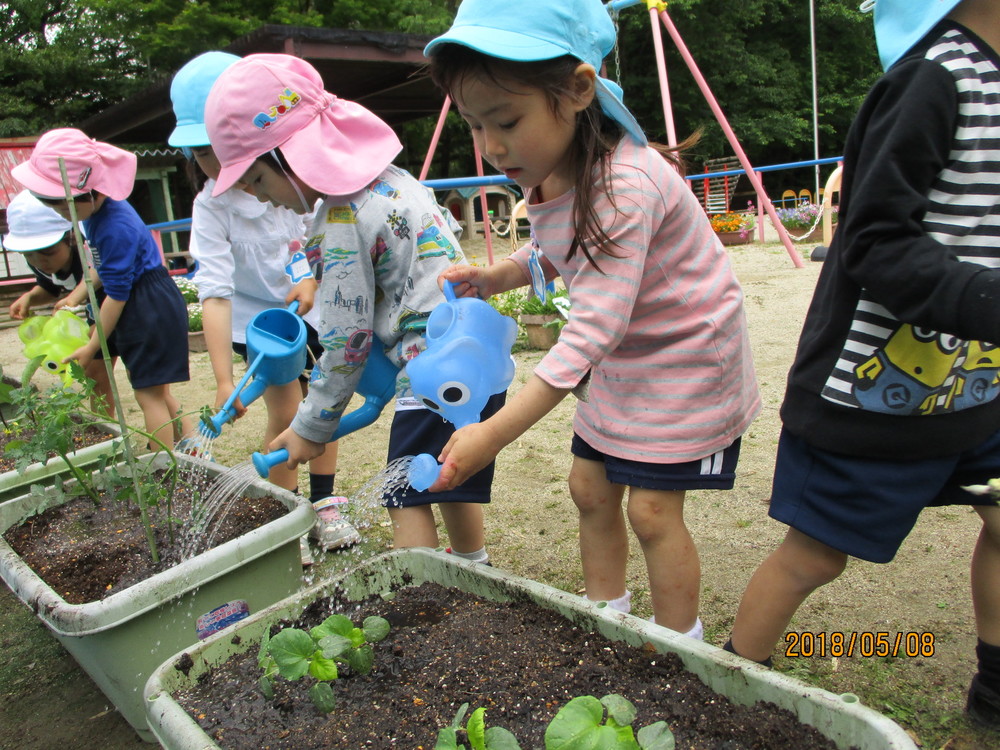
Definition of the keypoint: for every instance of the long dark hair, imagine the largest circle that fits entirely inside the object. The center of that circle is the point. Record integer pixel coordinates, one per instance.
(596, 134)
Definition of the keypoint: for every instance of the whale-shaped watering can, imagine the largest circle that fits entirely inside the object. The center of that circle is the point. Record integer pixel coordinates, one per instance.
(467, 359)
(53, 338)
(276, 350)
(377, 385)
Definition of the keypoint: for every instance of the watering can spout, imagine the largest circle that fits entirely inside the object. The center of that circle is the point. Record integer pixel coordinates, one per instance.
(276, 349)
(423, 472)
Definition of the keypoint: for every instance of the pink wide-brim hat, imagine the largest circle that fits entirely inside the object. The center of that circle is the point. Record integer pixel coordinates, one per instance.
(264, 102)
(90, 165)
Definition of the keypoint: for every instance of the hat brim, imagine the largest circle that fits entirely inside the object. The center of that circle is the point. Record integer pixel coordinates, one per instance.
(615, 108)
(334, 154)
(898, 27)
(39, 185)
(21, 244)
(191, 135)
(507, 45)
(229, 176)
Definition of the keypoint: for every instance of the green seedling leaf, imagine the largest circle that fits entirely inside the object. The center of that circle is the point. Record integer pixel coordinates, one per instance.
(656, 737)
(621, 711)
(447, 740)
(266, 688)
(476, 729)
(334, 645)
(357, 636)
(456, 723)
(321, 668)
(375, 628)
(263, 657)
(322, 696)
(578, 726)
(292, 649)
(361, 659)
(498, 738)
(333, 625)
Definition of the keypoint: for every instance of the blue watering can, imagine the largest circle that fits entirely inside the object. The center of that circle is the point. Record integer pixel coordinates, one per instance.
(276, 349)
(467, 361)
(377, 385)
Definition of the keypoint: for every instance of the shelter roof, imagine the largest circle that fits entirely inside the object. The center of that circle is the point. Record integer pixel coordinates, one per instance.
(381, 70)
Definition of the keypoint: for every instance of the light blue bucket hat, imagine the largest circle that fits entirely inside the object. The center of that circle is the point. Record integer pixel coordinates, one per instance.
(529, 30)
(899, 24)
(188, 92)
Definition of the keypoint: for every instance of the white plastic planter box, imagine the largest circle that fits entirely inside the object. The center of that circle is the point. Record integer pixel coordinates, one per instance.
(843, 720)
(120, 640)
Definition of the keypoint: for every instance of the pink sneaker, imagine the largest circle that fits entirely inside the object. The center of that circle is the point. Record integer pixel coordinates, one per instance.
(331, 530)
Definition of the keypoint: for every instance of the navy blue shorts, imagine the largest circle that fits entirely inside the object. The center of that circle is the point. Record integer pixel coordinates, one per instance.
(416, 431)
(715, 472)
(152, 334)
(866, 507)
(314, 350)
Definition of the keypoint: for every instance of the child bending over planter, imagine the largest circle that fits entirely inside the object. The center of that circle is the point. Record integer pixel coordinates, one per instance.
(892, 401)
(242, 247)
(143, 313)
(383, 243)
(656, 325)
(47, 242)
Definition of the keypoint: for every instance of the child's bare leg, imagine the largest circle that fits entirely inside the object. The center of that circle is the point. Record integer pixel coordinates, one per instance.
(102, 399)
(986, 576)
(603, 537)
(464, 522)
(672, 564)
(157, 413)
(281, 402)
(413, 527)
(182, 426)
(783, 581)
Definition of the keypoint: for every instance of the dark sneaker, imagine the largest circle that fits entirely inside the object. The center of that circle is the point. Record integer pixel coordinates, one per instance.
(983, 705)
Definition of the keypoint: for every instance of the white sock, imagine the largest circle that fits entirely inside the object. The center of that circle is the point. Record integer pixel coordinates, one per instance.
(622, 604)
(478, 556)
(697, 630)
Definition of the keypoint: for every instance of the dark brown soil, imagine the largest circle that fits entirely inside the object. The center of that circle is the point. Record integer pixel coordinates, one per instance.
(90, 435)
(519, 661)
(87, 552)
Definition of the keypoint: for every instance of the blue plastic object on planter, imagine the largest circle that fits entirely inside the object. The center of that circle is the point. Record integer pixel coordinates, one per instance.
(276, 350)
(467, 358)
(377, 385)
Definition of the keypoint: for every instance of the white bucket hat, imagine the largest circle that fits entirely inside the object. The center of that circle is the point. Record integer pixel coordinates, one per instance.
(32, 225)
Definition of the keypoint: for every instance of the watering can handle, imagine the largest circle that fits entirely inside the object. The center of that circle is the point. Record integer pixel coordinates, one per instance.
(293, 307)
(449, 290)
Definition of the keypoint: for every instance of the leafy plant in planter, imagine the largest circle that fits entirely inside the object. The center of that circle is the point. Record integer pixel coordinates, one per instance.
(293, 653)
(584, 722)
(55, 415)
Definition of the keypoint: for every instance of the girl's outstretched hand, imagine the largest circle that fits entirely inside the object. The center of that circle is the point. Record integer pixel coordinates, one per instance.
(469, 450)
(468, 281)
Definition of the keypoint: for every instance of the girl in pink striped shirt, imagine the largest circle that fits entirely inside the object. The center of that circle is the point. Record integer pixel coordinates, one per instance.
(656, 344)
